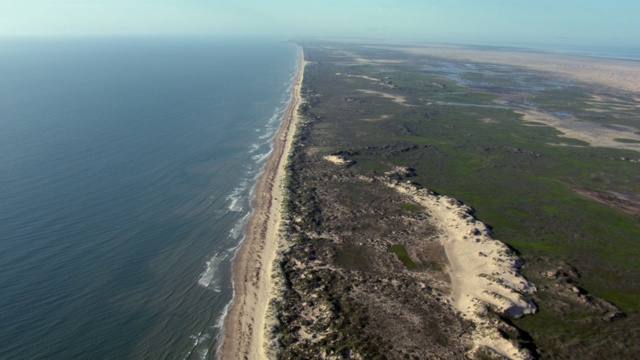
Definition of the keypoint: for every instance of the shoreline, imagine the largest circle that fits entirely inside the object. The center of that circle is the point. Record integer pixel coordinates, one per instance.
(243, 331)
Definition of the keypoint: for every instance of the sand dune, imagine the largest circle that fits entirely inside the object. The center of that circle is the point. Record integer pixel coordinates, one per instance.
(484, 271)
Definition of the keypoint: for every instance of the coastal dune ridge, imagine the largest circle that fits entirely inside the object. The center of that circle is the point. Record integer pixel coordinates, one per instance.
(244, 326)
(484, 271)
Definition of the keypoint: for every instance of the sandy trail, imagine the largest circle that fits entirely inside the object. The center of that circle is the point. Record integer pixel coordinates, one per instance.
(244, 332)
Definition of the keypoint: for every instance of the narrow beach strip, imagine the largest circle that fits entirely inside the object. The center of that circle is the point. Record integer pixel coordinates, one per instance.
(244, 330)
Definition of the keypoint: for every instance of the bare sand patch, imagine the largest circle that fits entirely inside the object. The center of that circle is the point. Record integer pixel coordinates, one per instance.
(595, 134)
(628, 203)
(395, 98)
(336, 159)
(379, 118)
(597, 110)
(614, 100)
(359, 60)
(607, 103)
(359, 76)
(376, 61)
(377, 81)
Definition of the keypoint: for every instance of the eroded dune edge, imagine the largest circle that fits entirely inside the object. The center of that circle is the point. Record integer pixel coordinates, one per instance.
(483, 271)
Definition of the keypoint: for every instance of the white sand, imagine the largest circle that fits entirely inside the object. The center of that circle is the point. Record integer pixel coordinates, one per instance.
(336, 159)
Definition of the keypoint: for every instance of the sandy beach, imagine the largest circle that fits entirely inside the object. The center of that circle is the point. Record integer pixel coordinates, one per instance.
(244, 332)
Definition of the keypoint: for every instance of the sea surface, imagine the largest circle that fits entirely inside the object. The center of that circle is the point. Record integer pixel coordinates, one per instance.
(126, 171)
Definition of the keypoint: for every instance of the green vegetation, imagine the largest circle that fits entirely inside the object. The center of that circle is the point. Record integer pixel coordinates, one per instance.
(403, 255)
(401, 251)
(411, 207)
(521, 180)
(628, 141)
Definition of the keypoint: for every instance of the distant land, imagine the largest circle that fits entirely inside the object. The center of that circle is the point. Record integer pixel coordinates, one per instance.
(447, 202)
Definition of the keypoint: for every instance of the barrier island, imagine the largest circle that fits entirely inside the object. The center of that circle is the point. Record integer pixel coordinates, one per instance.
(451, 202)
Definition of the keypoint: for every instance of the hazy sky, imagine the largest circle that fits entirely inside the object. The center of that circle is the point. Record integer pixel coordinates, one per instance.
(580, 21)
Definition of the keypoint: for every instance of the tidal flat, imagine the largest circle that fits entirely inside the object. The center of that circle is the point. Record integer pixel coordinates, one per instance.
(545, 154)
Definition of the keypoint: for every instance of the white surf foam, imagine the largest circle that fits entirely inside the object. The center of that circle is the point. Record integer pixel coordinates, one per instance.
(261, 157)
(236, 231)
(236, 196)
(254, 148)
(268, 134)
(207, 278)
(199, 340)
(234, 205)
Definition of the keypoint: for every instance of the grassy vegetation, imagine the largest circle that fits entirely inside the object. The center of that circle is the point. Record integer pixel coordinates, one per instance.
(403, 256)
(411, 207)
(517, 178)
(569, 100)
(628, 141)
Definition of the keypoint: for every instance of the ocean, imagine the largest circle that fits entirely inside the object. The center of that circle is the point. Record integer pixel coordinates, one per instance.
(126, 172)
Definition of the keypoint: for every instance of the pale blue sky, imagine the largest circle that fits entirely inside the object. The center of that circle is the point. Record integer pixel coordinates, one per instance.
(580, 21)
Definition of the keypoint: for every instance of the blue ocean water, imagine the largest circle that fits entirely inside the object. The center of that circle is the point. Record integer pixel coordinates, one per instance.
(126, 170)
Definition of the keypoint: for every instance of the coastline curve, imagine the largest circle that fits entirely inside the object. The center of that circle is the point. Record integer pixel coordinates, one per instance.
(243, 331)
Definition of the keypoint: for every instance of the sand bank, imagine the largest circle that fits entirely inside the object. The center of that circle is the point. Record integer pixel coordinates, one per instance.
(244, 332)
